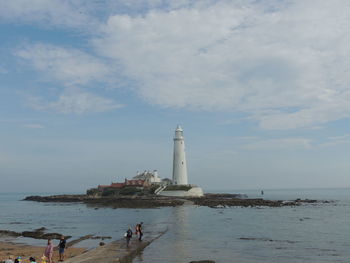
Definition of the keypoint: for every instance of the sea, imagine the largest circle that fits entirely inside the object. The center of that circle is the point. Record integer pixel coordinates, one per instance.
(307, 233)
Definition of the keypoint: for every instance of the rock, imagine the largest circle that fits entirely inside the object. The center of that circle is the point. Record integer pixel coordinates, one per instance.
(9, 233)
(101, 237)
(37, 234)
(226, 195)
(114, 202)
(102, 243)
(214, 202)
(149, 201)
(76, 241)
(41, 229)
(203, 261)
(226, 200)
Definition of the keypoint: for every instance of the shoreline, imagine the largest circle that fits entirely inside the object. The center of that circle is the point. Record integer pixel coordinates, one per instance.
(25, 251)
(115, 251)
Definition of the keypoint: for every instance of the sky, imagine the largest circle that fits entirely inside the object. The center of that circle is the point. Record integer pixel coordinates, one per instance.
(91, 92)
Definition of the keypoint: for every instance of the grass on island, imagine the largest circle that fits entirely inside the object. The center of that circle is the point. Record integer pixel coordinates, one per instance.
(126, 190)
(133, 190)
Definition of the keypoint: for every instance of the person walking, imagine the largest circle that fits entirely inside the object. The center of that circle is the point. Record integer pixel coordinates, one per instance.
(49, 251)
(139, 231)
(128, 236)
(61, 248)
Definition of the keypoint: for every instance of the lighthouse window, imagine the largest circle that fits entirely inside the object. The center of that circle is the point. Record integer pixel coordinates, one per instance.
(182, 162)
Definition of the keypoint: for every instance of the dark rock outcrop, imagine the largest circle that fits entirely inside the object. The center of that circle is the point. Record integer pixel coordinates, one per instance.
(9, 233)
(210, 200)
(37, 234)
(228, 200)
(114, 202)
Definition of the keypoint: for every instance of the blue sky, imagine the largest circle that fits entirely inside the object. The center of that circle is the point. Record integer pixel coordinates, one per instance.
(91, 92)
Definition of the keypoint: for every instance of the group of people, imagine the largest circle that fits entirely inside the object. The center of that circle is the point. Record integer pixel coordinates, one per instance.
(48, 253)
(138, 232)
(16, 260)
(49, 249)
(19, 260)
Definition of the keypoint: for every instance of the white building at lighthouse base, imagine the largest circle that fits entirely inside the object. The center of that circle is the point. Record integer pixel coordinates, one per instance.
(195, 191)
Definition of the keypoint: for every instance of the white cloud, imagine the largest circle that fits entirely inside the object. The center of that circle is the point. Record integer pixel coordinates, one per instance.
(76, 102)
(337, 140)
(281, 62)
(279, 144)
(70, 66)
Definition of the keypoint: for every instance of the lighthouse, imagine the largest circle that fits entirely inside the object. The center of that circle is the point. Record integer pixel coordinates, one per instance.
(179, 163)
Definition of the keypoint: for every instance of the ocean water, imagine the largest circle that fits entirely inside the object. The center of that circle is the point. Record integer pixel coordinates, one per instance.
(73, 219)
(308, 233)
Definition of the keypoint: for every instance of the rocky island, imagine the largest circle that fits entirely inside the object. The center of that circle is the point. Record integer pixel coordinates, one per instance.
(154, 201)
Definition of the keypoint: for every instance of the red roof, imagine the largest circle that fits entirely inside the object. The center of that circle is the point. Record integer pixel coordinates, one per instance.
(117, 185)
(120, 185)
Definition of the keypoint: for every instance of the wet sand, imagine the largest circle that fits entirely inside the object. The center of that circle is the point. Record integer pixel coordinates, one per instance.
(25, 251)
(115, 251)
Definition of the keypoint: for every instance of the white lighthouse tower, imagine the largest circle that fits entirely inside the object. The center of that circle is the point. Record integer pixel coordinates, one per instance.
(179, 163)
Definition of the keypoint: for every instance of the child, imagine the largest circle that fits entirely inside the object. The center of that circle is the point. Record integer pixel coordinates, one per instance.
(49, 251)
(61, 248)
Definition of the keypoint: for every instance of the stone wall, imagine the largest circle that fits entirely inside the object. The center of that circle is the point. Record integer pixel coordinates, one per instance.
(193, 192)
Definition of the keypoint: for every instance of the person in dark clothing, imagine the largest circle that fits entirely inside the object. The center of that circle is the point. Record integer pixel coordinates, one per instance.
(128, 236)
(139, 231)
(61, 248)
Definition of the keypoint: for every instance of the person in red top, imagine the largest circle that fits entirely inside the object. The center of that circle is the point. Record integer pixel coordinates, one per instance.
(138, 230)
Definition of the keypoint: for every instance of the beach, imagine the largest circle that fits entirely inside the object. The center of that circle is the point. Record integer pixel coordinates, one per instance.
(24, 251)
(115, 251)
